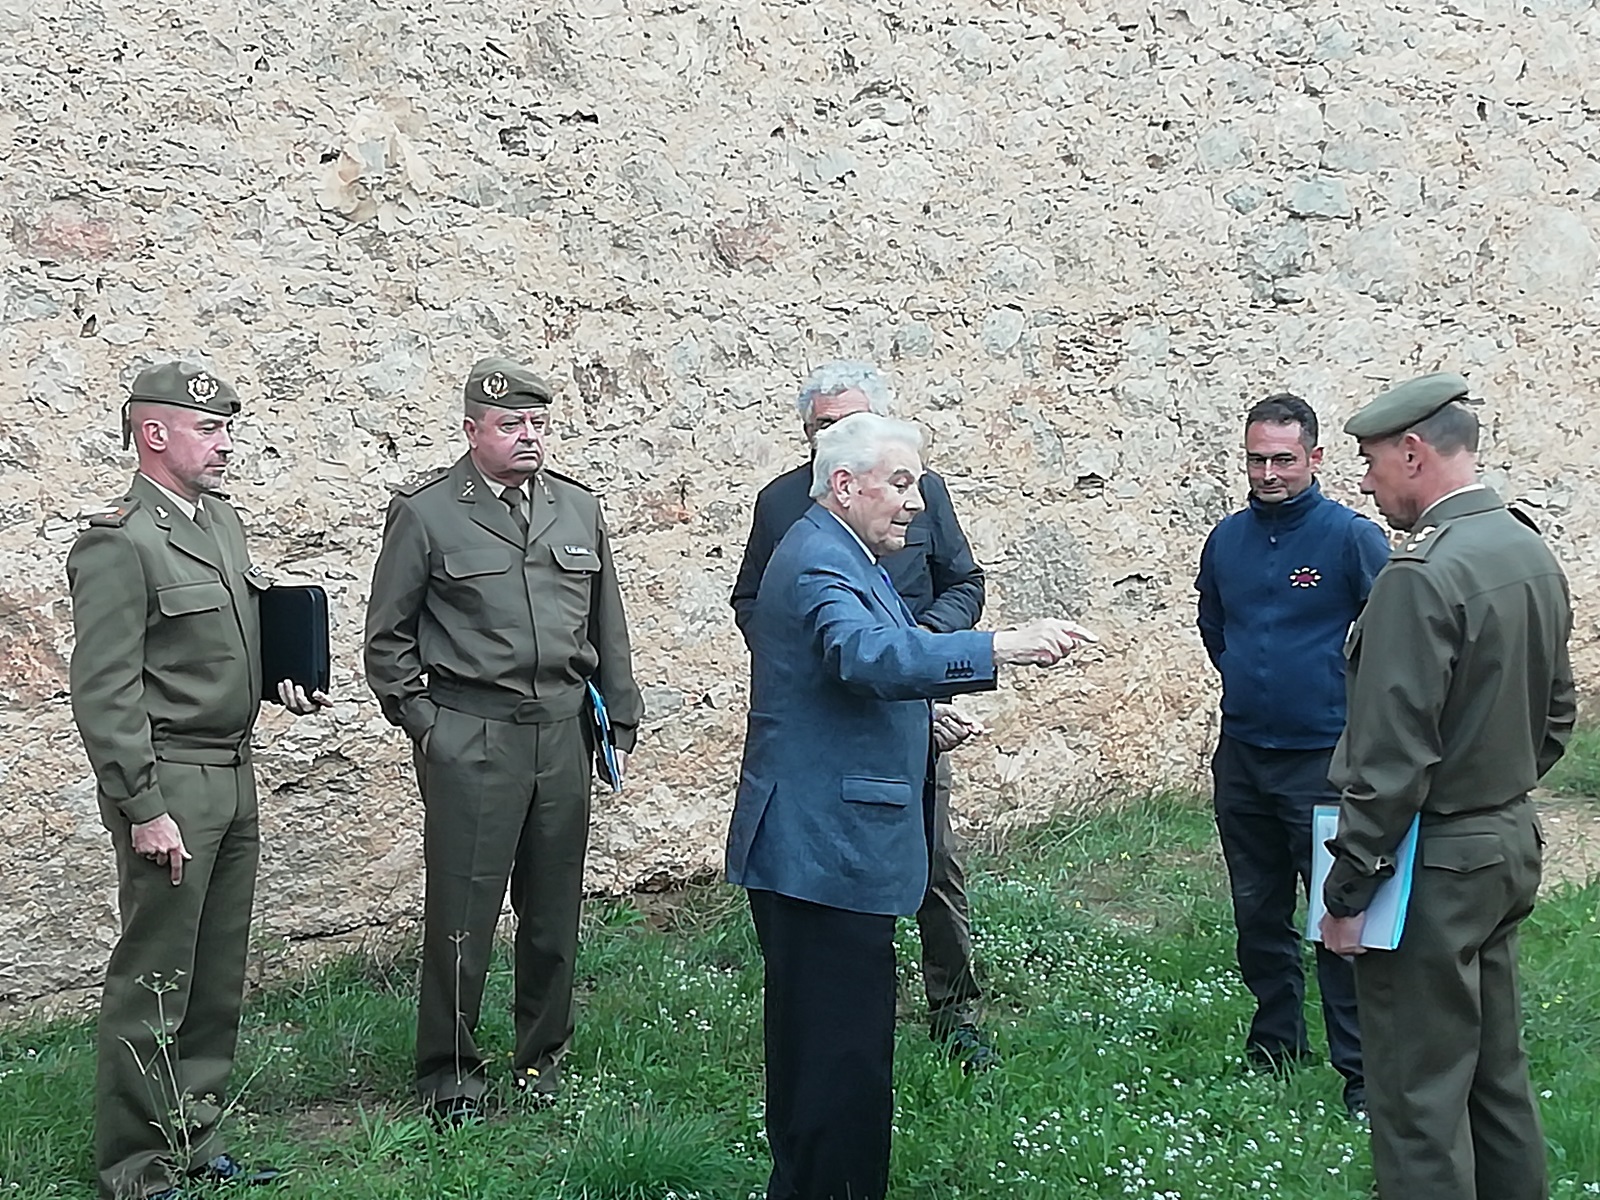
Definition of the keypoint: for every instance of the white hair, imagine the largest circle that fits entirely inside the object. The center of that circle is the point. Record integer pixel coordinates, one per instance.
(832, 378)
(856, 444)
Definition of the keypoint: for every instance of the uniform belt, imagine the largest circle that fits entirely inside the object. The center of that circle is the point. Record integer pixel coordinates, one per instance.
(204, 756)
(1432, 818)
(497, 704)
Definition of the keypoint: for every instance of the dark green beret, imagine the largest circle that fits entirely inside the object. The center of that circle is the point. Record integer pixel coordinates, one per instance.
(182, 385)
(1404, 405)
(505, 384)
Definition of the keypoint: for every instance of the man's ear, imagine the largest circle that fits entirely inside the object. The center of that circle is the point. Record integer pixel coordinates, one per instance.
(839, 484)
(1315, 457)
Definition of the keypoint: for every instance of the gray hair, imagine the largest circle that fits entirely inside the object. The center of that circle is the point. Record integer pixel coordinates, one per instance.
(1450, 430)
(832, 378)
(856, 444)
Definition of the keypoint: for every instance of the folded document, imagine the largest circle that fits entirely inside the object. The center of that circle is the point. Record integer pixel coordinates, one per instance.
(1386, 915)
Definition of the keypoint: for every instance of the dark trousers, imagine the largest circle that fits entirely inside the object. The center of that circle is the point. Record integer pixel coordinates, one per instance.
(504, 802)
(944, 924)
(169, 1015)
(829, 1032)
(1264, 800)
(1453, 1112)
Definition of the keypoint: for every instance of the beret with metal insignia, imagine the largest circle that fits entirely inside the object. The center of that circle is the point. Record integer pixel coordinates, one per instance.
(1403, 405)
(505, 384)
(183, 385)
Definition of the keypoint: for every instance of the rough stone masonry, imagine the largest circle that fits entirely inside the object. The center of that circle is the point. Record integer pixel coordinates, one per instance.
(1084, 233)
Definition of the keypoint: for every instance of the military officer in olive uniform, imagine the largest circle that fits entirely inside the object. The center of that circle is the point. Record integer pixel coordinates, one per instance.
(494, 603)
(166, 683)
(1460, 699)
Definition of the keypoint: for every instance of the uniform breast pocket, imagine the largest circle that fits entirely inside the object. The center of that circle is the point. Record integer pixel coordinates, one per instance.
(474, 580)
(197, 622)
(577, 567)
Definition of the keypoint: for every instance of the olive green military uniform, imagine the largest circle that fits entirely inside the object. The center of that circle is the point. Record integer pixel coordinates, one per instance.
(165, 686)
(480, 641)
(1460, 698)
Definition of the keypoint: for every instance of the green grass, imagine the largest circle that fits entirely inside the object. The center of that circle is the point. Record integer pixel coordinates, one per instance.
(1108, 956)
(1578, 772)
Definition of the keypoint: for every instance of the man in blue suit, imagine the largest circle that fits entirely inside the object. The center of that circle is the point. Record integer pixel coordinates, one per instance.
(830, 830)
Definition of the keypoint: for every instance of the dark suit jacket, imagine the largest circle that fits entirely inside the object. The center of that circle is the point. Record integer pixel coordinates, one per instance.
(935, 574)
(831, 792)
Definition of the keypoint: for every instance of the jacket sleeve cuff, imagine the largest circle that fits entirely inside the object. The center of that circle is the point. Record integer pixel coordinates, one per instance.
(418, 717)
(626, 737)
(146, 806)
(1347, 892)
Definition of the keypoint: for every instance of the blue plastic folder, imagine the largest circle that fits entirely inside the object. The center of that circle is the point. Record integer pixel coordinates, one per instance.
(1386, 915)
(605, 742)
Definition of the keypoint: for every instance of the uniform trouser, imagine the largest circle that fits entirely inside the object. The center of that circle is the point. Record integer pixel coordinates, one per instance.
(504, 801)
(1453, 1112)
(943, 921)
(1264, 800)
(169, 1015)
(829, 1034)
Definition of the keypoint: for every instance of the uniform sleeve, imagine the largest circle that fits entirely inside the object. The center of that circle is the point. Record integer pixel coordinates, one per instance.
(1369, 548)
(1209, 617)
(1409, 636)
(608, 633)
(394, 610)
(109, 607)
(957, 578)
(1563, 709)
(757, 550)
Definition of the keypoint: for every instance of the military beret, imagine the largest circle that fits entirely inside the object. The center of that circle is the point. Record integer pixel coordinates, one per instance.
(182, 385)
(505, 384)
(1403, 406)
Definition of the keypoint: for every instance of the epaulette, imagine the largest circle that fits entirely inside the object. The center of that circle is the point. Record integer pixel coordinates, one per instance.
(1523, 511)
(116, 518)
(568, 479)
(410, 487)
(1419, 543)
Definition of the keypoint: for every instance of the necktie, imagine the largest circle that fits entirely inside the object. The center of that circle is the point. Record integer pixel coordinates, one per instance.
(203, 519)
(513, 501)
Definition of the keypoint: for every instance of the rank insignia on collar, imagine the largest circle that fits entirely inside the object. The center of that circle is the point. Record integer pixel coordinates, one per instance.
(466, 489)
(161, 512)
(1305, 577)
(1420, 536)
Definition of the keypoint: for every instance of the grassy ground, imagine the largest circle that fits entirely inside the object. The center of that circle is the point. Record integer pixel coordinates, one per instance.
(1108, 956)
(1578, 772)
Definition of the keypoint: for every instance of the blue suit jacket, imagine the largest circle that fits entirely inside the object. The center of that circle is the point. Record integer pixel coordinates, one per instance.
(832, 804)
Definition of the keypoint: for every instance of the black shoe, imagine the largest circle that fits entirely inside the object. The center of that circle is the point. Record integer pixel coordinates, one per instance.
(455, 1112)
(969, 1047)
(1277, 1060)
(224, 1169)
(1355, 1103)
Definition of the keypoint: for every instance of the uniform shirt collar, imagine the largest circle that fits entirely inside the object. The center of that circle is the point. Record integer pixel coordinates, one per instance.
(1460, 491)
(498, 490)
(187, 507)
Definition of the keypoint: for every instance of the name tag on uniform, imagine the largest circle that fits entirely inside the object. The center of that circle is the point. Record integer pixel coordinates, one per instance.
(578, 550)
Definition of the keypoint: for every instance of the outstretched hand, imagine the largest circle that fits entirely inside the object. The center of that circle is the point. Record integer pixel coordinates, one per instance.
(1041, 643)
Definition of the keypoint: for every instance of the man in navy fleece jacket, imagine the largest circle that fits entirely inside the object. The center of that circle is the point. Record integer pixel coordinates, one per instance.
(1280, 583)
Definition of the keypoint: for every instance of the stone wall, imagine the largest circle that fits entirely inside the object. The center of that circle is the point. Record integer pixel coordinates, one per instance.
(1084, 235)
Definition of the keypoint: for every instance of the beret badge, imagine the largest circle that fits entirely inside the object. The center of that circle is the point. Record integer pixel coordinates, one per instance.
(202, 388)
(495, 386)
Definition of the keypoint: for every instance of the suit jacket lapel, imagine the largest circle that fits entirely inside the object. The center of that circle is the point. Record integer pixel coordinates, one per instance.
(543, 507)
(878, 583)
(182, 533)
(488, 510)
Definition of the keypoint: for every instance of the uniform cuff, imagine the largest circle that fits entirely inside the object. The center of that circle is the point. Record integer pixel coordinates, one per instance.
(1347, 893)
(146, 806)
(418, 717)
(625, 736)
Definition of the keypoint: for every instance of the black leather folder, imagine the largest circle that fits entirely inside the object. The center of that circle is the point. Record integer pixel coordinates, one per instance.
(294, 639)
